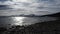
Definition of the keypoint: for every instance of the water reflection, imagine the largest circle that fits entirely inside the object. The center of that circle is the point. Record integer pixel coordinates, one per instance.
(19, 20)
(9, 21)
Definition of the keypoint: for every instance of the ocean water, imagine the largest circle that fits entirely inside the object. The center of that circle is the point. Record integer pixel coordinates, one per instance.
(10, 21)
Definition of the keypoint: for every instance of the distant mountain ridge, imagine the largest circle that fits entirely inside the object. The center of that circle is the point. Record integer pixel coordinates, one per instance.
(32, 15)
(54, 15)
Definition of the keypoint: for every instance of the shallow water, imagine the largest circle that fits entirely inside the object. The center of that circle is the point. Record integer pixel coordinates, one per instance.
(9, 21)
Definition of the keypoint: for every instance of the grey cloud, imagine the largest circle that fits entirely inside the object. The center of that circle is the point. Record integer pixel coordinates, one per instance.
(3, 0)
(37, 7)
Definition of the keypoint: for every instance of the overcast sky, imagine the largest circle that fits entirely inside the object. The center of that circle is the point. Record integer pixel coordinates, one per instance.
(37, 7)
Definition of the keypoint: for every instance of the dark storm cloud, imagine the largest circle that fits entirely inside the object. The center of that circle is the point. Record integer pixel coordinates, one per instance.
(4, 7)
(3, 0)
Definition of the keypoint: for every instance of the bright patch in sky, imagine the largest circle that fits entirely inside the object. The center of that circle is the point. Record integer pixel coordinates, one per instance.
(20, 0)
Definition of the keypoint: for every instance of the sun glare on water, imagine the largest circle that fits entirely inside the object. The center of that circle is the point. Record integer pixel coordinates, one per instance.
(19, 20)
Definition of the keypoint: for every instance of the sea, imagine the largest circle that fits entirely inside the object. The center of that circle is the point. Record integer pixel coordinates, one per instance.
(10, 21)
